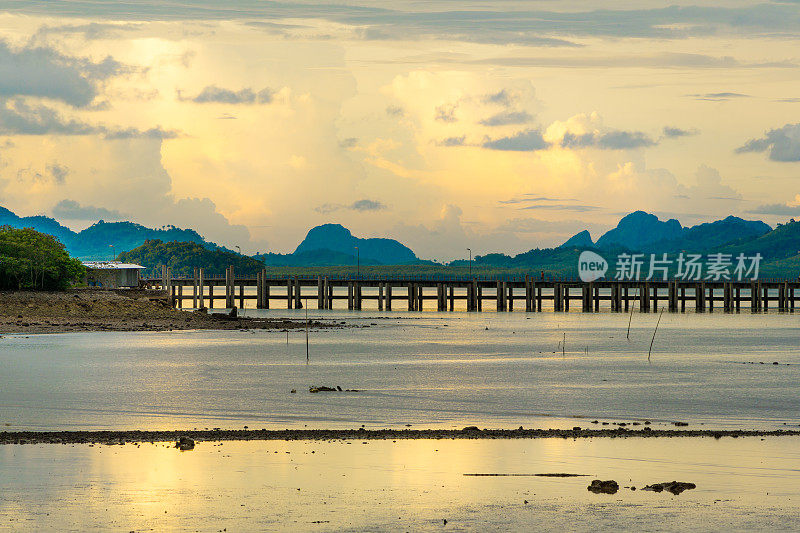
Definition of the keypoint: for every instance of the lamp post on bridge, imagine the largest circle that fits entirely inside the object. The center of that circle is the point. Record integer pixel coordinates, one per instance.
(358, 263)
(470, 262)
(113, 254)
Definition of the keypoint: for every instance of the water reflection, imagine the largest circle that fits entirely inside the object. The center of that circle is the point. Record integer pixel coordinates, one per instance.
(408, 485)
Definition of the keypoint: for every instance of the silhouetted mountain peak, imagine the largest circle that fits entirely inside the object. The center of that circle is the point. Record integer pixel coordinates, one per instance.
(337, 238)
(582, 239)
(639, 229)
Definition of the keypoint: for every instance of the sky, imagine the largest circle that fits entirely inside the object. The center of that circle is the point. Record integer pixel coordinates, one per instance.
(495, 125)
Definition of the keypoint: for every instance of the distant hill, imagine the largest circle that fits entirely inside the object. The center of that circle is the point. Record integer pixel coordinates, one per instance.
(638, 229)
(183, 257)
(338, 239)
(711, 235)
(781, 243)
(95, 242)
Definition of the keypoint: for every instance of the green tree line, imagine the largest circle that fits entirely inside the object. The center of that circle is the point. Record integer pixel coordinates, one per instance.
(183, 257)
(33, 260)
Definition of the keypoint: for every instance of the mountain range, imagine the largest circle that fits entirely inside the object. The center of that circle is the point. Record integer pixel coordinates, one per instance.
(101, 240)
(334, 245)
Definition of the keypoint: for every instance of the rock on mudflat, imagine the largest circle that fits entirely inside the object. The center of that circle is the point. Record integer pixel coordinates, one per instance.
(675, 487)
(603, 487)
(184, 443)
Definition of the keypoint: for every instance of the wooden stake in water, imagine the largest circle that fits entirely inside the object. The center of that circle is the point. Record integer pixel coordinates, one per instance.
(630, 318)
(563, 345)
(306, 330)
(654, 335)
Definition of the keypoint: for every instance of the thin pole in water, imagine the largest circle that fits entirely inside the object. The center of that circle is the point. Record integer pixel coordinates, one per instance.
(306, 330)
(654, 335)
(630, 318)
(563, 345)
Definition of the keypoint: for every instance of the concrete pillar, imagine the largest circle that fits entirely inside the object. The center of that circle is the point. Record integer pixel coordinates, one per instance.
(210, 296)
(259, 290)
(655, 298)
(380, 296)
(241, 295)
(539, 298)
(194, 288)
(266, 290)
(556, 297)
(201, 279)
(565, 305)
(499, 293)
(586, 297)
(510, 305)
(452, 291)
(410, 296)
(168, 286)
(527, 294)
(388, 297)
(298, 294)
(699, 296)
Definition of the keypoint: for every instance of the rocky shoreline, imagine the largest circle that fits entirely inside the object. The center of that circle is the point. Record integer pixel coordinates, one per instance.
(132, 437)
(118, 310)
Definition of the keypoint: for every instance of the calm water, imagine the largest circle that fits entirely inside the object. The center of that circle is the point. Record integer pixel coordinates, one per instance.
(747, 484)
(424, 369)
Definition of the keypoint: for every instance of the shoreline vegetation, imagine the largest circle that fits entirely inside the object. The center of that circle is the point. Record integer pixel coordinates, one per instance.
(471, 432)
(118, 310)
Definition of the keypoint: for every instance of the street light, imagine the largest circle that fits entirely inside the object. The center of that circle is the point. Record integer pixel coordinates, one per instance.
(470, 261)
(238, 248)
(358, 263)
(113, 255)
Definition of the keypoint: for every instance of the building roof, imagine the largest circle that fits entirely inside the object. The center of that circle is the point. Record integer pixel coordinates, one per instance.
(110, 265)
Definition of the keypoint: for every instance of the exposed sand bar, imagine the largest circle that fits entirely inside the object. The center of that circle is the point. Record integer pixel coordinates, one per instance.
(121, 437)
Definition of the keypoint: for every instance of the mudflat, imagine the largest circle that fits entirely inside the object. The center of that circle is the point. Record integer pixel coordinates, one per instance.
(123, 437)
(117, 310)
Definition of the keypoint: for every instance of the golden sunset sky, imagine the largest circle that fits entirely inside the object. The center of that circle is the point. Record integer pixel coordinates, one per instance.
(499, 126)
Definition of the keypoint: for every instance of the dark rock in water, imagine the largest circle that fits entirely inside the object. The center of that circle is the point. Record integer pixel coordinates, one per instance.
(234, 312)
(471, 428)
(293, 391)
(338, 388)
(681, 424)
(576, 428)
(603, 487)
(321, 389)
(184, 443)
(675, 487)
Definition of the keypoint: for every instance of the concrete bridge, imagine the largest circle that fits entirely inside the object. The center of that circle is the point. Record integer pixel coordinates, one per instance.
(447, 294)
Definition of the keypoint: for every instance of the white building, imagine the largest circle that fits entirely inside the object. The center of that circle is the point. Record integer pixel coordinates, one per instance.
(112, 274)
